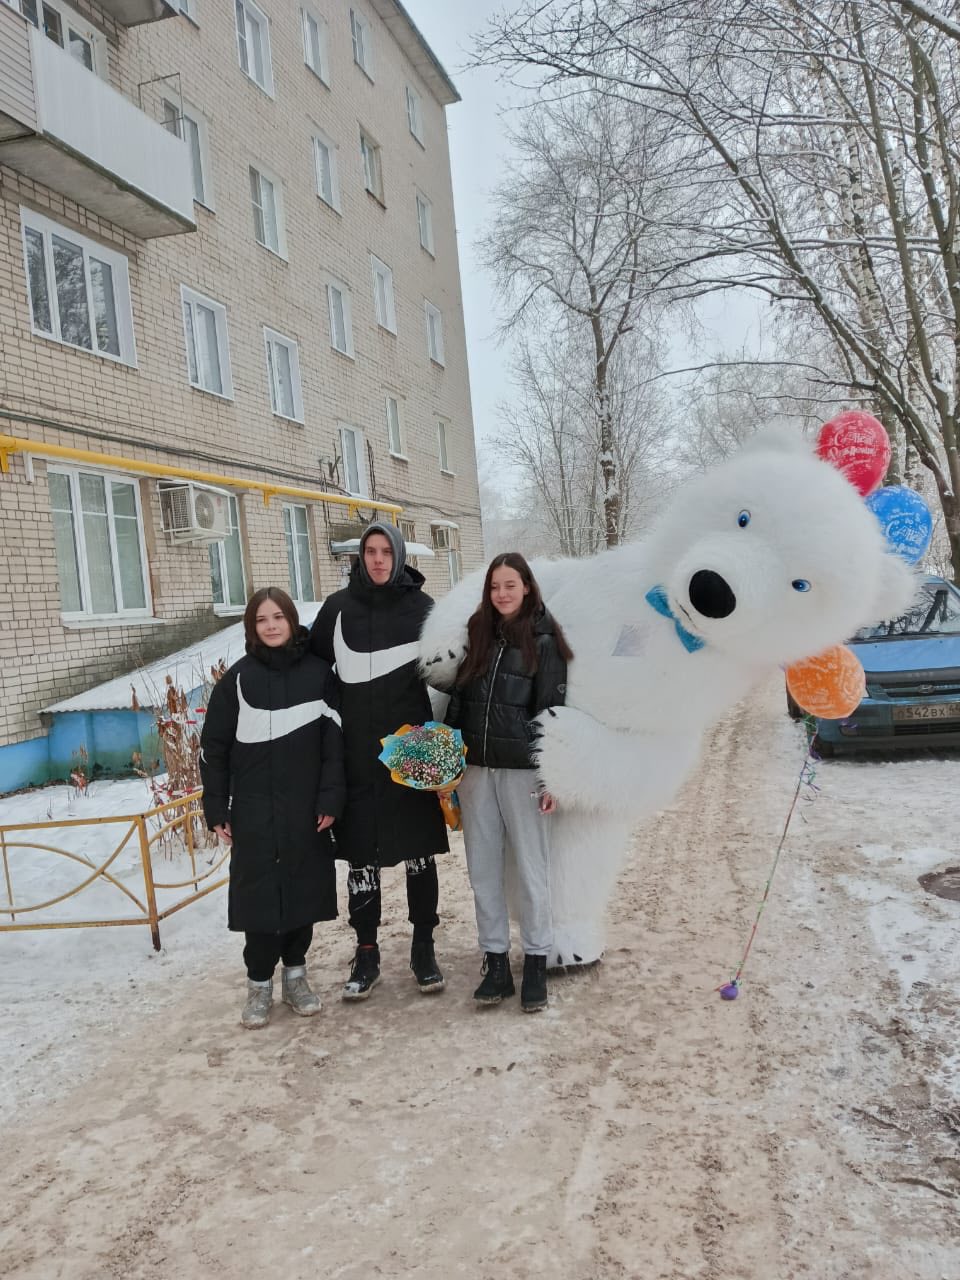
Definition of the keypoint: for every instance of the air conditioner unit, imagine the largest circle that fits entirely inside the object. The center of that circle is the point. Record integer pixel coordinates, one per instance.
(195, 512)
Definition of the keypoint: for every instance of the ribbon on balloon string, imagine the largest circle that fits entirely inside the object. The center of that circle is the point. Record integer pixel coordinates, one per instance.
(730, 990)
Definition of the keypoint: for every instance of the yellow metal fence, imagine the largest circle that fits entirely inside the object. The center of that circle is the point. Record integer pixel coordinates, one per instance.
(150, 838)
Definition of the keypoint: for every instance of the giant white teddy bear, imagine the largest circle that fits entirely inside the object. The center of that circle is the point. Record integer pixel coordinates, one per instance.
(769, 558)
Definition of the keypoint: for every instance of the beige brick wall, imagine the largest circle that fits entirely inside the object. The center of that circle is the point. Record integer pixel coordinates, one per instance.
(153, 414)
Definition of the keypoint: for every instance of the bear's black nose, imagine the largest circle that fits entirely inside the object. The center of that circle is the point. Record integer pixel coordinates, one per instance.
(711, 595)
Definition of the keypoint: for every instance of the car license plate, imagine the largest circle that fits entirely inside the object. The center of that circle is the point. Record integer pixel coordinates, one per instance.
(927, 711)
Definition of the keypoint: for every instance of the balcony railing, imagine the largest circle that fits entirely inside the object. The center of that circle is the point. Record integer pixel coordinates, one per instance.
(63, 126)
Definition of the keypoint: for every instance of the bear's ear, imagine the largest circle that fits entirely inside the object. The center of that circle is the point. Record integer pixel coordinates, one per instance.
(778, 438)
(897, 587)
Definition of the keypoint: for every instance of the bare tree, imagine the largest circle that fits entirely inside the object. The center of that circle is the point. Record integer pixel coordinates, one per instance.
(831, 130)
(573, 243)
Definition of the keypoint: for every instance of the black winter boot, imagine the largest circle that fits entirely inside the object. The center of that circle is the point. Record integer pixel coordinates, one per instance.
(423, 962)
(533, 989)
(364, 974)
(497, 981)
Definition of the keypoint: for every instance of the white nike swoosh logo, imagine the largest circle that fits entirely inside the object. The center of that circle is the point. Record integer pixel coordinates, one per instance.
(358, 668)
(260, 724)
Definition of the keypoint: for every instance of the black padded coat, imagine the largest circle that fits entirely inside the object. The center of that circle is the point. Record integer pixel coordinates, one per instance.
(494, 711)
(271, 762)
(372, 633)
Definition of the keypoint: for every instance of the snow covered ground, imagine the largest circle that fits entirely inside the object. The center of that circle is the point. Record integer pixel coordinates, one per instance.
(640, 1129)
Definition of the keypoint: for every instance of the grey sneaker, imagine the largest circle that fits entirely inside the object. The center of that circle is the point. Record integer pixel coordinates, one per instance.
(256, 1012)
(296, 992)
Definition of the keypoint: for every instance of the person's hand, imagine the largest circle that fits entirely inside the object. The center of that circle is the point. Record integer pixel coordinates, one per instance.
(223, 831)
(548, 803)
(323, 821)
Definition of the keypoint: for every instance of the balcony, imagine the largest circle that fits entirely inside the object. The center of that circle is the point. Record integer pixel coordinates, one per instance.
(131, 13)
(63, 126)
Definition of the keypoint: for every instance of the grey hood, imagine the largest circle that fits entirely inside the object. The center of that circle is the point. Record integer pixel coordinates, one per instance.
(395, 538)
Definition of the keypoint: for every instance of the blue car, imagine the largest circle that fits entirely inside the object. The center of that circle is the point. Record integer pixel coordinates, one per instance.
(913, 680)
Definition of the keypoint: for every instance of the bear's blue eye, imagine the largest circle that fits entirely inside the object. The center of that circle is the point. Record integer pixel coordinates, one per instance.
(743, 519)
(800, 584)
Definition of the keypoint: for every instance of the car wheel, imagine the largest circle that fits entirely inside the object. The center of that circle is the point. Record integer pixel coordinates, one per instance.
(825, 750)
(793, 711)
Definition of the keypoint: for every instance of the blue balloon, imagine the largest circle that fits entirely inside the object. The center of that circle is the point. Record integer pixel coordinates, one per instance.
(904, 518)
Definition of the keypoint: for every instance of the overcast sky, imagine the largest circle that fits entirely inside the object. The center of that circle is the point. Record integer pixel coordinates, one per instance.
(478, 151)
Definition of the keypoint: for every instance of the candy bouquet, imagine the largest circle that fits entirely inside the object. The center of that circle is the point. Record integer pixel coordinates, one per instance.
(428, 757)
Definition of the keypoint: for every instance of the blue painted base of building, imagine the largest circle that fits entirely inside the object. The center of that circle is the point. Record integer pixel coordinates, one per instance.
(110, 739)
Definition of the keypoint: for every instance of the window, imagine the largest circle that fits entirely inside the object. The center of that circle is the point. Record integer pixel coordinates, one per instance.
(351, 451)
(208, 351)
(98, 536)
(341, 323)
(394, 432)
(79, 291)
(295, 531)
(362, 42)
(187, 7)
(253, 44)
(442, 448)
(190, 125)
(66, 28)
(226, 564)
(414, 114)
(409, 532)
(383, 300)
(434, 332)
(372, 170)
(446, 541)
(283, 374)
(328, 179)
(267, 196)
(425, 222)
(315, 44)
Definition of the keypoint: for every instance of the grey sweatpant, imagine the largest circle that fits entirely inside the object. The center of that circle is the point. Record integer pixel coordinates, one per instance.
(501, 818)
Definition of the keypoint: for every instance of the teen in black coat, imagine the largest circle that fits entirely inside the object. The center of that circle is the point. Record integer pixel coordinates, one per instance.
(370, 630)
(271, 764)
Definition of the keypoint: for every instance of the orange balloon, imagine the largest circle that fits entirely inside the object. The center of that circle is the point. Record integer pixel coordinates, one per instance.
(832, 685)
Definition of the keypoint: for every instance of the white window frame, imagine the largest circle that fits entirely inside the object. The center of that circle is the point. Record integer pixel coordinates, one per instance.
(361, 34)
(271, 340)
(175, 117)
(120, 273)
(70, 18)
(261, 174)
(414, 105)
(191, 299)
(384, 300)
(252, 13)
(79, 540)
(344, 429)
(371, 158)
(443, 447)
(425, 222)
(338, 287)
(445, 536)
(434, 332)
(290, 536)
(218, 550)
(408, 531)
(323, 140)
(320, 67)
(395, 441)
(188, 8)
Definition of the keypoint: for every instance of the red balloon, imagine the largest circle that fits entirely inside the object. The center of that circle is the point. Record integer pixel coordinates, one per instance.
(858, 445)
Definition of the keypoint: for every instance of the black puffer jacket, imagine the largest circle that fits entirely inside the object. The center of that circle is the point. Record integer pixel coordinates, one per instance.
(371, 634)
(494, 711)
(271, 763)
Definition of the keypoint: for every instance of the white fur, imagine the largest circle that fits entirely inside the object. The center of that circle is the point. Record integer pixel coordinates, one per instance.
(631, 729)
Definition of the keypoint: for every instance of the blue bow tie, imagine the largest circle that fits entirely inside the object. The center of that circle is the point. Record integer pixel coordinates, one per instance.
(657, 598)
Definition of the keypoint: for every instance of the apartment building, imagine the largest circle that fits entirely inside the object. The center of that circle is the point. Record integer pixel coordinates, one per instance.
(231, 319)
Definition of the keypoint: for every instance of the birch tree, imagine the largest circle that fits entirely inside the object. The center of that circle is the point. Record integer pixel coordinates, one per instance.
(832, 132)
(575, 241)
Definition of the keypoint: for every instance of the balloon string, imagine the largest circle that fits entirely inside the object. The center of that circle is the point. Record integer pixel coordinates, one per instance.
(806, 776)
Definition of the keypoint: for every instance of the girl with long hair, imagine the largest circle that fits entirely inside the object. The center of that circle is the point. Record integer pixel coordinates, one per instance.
(515, 668)
(271, 763)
